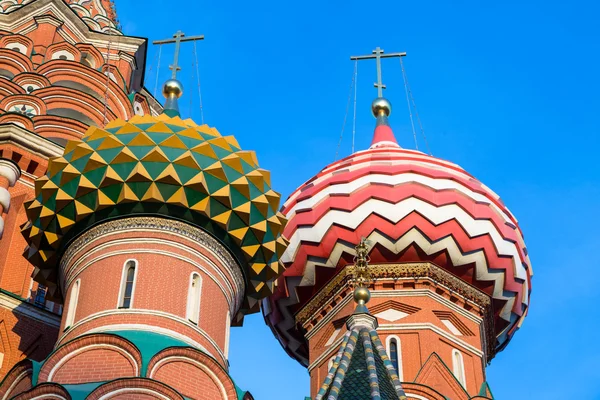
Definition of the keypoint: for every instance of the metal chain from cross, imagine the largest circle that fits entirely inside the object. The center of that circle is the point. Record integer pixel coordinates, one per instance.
(178, 38)
(378, 54)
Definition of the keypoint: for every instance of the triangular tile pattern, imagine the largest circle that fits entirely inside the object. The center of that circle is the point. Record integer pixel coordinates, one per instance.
(361, 370)
(165, 166)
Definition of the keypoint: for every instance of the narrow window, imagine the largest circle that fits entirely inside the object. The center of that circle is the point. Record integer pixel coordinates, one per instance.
(395, 352)
(193, 306)
(227, 329)
(72, 304)
(128, 284)
(458, 367)
(40, 296)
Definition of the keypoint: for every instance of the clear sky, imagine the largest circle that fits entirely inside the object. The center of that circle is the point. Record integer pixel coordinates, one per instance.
(508, 90)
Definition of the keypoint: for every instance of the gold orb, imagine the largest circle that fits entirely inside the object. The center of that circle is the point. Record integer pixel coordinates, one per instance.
(362, 295)
(172, 88)
(381, 106)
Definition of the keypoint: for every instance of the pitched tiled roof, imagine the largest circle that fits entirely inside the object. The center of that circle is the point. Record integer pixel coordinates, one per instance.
(361, 369)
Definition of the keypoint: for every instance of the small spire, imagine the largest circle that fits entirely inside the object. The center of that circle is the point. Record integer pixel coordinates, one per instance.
(362, 277)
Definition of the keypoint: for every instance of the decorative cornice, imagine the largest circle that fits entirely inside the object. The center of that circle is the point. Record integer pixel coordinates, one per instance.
(48, 19)
(431, 271)
(30, 141)
(197, 235)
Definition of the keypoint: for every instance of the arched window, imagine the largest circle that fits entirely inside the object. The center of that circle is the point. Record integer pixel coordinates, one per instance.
(193, 305)
(128, 284)
(458, 367)
(72, 304)
(227, 329)
(395, 353)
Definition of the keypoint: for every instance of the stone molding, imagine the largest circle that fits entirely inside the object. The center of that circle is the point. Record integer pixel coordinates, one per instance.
(29, 310)
(335, 287)
(197, 235)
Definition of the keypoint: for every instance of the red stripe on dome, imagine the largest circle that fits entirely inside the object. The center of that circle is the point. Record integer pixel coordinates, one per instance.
(395, 195)
(433, 232)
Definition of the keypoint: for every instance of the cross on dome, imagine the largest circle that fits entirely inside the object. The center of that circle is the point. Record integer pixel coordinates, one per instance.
(381, 107)
(173, 89)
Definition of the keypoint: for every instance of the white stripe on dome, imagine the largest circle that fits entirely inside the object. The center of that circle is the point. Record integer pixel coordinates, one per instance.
(396, 212)
(434, 183)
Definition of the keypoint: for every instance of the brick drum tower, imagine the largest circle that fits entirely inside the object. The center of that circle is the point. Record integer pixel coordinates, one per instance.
(451, 275)
(157, 235)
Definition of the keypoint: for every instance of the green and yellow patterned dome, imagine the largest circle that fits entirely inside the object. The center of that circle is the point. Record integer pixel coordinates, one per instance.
(159, 166)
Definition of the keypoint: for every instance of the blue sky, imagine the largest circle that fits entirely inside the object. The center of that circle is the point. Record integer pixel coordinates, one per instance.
(508, 90)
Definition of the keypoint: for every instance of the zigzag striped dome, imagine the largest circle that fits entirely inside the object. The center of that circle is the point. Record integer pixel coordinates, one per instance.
(159, 166)
(411, 207)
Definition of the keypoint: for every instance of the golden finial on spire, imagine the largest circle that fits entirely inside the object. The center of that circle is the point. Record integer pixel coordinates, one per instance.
(362, 277)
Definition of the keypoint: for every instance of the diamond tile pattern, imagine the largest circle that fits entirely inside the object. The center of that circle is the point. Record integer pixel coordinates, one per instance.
(165, 166)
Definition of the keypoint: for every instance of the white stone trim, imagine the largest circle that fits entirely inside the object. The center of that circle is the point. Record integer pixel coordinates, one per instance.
(150, 328)
(72, 354)
(73, 300)
(29, 310)
(458, 368)
(227, 331)
(200, 365)
(228, 291)
(132, 389)
(192, 308)
(30, 141)
(126, 267)
(17, 380)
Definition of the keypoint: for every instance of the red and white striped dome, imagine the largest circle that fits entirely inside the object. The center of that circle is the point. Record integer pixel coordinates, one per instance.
(411, 207)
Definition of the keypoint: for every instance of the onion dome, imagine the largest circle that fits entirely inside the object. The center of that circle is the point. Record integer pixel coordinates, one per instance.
(412, 208)
(159, 166)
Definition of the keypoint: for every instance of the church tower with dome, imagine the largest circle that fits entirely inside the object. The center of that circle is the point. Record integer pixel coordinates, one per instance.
(451, 276)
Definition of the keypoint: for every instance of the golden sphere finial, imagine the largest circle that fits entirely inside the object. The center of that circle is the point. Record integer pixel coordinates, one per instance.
(362, 295)
(381, 106)
(172, 88)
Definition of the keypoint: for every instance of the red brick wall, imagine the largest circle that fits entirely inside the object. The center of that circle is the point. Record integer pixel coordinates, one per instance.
(190, 380)
(94, 365)
(23, 337)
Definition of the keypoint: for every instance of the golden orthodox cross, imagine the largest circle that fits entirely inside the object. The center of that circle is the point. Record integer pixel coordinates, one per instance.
(178, 38)
(378, 54)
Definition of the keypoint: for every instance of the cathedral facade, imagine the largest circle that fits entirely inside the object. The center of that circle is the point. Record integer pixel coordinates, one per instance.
(390, 274)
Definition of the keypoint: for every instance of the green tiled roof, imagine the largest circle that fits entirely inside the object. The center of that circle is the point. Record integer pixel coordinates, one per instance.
(361, 370)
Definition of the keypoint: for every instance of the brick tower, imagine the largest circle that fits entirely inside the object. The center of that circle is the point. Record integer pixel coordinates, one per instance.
(64, 66)
(158, 234)
(451, 274)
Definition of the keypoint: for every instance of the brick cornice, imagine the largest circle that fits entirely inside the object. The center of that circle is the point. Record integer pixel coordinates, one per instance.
(338, 288)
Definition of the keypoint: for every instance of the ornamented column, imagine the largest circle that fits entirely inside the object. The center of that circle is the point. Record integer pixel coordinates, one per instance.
(9, 174)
